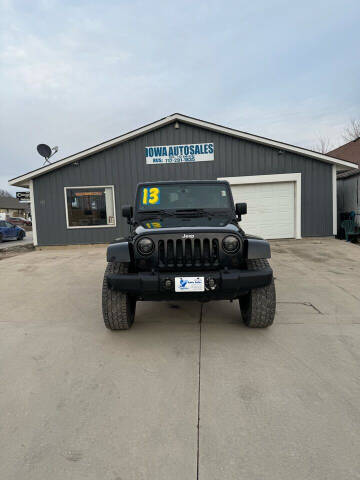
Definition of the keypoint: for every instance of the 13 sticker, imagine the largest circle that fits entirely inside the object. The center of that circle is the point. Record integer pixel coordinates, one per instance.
(151, 196)
(153, 225)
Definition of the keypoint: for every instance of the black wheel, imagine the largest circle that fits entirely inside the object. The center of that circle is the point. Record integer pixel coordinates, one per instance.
(1, 237)
(258, 306)
(20, 236)
(118, 308)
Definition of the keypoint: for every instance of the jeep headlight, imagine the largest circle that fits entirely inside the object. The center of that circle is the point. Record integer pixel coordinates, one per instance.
(145, 246)
(231, 244)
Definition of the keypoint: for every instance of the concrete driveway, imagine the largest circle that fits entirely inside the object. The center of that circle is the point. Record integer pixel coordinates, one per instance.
(10, 243)
(80, 402)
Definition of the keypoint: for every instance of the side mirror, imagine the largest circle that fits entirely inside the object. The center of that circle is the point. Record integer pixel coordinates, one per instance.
(241, 209)
(127, 212)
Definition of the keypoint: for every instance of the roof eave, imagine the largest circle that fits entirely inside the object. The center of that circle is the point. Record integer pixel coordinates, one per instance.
(267, 141)
(22, 180)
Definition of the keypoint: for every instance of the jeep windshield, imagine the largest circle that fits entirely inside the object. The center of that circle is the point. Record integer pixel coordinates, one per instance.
(191, 199)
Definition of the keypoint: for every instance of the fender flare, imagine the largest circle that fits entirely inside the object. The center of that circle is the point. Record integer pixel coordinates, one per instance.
(258, 248)
(118, 252)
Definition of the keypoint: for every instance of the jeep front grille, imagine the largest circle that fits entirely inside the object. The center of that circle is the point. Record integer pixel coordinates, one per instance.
(188, 253)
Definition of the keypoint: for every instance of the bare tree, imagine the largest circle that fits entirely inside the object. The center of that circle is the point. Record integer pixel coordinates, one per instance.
(4, 193)
(352, 132)
(323, 145)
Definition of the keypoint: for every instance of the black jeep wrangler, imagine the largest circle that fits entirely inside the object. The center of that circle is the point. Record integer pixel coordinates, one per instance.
(185, 243)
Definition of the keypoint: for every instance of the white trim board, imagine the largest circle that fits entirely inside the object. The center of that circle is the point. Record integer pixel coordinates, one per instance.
(89, 226)
(285, 177)
(24, 179)
(334, 199)
(33, 213)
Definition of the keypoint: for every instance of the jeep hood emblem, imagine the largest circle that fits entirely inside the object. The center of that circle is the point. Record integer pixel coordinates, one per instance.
(188, 235)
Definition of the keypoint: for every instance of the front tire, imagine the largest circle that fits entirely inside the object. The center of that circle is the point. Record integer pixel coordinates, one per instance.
(20, 236)
(118, 307)
(259, 305)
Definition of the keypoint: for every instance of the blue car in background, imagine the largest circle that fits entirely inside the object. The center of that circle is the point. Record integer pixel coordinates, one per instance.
(8, 231)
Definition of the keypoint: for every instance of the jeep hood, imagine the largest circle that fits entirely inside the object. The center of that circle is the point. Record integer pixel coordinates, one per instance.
(187, 224)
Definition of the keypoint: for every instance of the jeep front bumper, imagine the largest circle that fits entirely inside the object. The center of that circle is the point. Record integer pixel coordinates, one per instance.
(221, 284)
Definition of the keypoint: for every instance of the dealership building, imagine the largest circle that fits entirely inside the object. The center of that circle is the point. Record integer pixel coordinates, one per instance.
(290, 191)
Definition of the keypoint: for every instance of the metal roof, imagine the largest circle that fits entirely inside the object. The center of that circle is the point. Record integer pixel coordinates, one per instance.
(348, 173)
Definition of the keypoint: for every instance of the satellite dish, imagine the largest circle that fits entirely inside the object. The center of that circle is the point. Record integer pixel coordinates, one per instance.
(44, 150)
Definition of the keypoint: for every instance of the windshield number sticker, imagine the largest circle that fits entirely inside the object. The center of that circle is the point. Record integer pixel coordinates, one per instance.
(153, 224)
(151, 196)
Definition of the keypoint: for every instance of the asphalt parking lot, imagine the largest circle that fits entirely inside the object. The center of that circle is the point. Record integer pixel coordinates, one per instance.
(80, 402)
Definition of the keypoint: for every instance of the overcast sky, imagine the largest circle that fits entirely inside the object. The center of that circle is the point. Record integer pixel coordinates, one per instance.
(74, 73)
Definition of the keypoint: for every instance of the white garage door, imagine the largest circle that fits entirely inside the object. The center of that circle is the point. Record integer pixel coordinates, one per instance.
(271, 208)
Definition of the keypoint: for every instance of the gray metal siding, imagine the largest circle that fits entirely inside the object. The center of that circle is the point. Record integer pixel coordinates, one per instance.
(124, 166)
(349, 196)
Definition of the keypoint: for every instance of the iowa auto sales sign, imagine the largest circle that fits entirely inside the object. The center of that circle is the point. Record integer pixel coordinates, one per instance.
(194, 152)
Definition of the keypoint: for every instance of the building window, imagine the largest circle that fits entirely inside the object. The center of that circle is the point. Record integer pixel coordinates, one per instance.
(90, 207)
